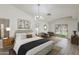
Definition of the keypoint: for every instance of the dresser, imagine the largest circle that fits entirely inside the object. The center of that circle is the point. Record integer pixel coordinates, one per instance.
(75, 40)
(7, 42)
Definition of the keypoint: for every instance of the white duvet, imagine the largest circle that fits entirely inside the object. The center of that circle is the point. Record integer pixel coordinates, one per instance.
(37, 50)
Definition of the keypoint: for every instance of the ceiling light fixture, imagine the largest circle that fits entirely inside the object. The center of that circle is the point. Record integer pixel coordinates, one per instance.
(38, 16)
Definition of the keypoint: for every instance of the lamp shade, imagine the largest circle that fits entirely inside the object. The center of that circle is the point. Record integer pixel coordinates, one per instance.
(7, 29)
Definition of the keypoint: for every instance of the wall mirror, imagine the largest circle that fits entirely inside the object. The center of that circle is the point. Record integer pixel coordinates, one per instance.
(45, 27)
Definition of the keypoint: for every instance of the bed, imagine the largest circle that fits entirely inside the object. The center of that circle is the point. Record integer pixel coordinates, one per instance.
(32, 46)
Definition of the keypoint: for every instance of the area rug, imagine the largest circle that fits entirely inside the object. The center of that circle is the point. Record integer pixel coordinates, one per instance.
(56, 39)
(55, 50)
(4, 51)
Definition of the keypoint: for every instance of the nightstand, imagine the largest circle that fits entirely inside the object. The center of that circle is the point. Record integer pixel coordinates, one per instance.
(7, 42)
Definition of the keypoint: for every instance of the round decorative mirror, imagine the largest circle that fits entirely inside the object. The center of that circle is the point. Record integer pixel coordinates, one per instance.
(45, 27)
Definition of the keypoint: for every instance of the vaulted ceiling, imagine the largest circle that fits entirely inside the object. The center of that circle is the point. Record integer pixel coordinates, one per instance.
(50, 12)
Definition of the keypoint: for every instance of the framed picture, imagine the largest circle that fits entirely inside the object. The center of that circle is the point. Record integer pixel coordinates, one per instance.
(23, 24)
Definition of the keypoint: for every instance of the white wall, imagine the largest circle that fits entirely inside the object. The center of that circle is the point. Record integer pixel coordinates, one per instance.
(41, 26)
(72, 24)
(12, 13)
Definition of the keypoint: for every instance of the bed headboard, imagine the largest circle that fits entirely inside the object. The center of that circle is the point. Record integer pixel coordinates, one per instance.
(24, 31)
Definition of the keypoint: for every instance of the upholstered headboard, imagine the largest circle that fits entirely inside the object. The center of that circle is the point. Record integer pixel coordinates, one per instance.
(24, 31)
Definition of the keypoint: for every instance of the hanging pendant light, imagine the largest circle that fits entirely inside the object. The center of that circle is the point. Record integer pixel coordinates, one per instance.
(37, 17)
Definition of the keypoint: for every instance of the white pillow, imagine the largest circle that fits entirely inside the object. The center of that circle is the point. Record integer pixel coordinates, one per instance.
(20, 35)
(23, 35)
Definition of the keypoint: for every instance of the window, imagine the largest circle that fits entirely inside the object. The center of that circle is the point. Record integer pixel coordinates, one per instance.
(61, 29)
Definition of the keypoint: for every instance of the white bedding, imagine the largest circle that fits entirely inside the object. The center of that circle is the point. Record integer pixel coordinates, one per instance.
(42, 49)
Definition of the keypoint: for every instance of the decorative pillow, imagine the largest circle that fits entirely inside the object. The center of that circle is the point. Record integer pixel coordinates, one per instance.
(29, 36)
(21, 36)
(18, 36)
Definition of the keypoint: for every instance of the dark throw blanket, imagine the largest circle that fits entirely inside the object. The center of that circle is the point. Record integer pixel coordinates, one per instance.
(26, 47)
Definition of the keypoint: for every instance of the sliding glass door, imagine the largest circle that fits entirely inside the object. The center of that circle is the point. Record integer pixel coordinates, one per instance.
(61, 29)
